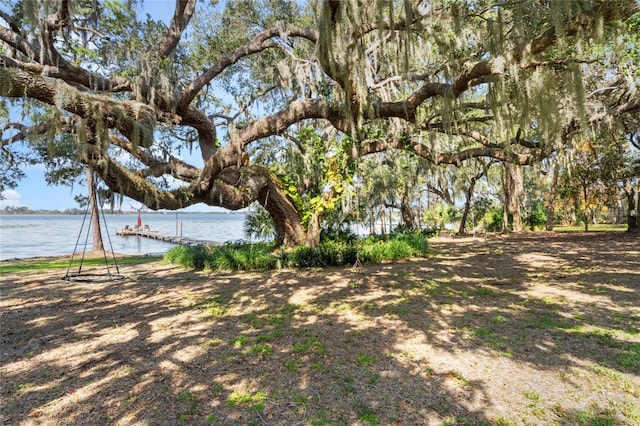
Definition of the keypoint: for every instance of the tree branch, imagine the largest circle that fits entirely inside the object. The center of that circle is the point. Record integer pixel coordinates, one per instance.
(173, 166)
(456, 157)
(277, 123)
(134, 120)
(55, 22)
(26, 132)
(477, 73)
(258, 44)
(13, 39)
(181, 17)
(75, 76)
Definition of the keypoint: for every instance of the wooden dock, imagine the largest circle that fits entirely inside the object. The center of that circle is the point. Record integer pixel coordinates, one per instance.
(155, 235)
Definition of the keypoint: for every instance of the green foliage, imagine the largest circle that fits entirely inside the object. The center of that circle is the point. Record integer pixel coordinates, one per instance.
(369, 418)
(229, 257)
(369, 250)
(241, 256)
(327, 253)
(316, 175)
(192, 257)
(260, 256)
(535, 214)
(518, 104)
(261, 349)
(259, 224)
(311, 345)
(393, 247)
(441, 215)
(292, 365)
(494, 219)
(214, 307)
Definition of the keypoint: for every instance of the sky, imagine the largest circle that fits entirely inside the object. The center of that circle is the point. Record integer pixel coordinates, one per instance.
(33, 191)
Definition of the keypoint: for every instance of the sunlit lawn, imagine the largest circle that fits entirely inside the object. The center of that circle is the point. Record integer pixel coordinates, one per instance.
(600, 227)
(59, 262)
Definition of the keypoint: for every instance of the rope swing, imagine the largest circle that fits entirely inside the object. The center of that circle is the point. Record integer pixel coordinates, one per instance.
(357, 266)
(111, 272)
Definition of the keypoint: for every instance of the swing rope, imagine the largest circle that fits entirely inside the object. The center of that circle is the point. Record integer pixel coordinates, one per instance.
(93, 277)
(75, 248)
(113, 255)
(357, 266)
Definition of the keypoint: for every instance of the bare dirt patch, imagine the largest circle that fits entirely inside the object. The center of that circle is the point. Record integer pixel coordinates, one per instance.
(523, 329)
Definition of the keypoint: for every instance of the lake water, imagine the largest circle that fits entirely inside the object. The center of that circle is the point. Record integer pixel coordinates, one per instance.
(48, 235)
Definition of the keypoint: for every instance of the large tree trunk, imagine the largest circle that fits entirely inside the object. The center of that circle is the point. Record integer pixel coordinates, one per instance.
(405, 209)
(551, 200)
(513, 191)
(632, 209)
(95, 214)
(586, 208)
(638, 209)
(505, 218)
(313, 231)
(290, 232)
(469, 196)
(467, 205)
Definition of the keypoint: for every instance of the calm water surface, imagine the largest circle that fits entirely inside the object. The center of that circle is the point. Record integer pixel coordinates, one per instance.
(48, 235)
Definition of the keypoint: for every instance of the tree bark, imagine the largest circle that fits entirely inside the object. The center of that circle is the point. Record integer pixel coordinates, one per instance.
(632, 209)
(551, 201)
(98, 244)
(469, 196)
(313, 231)
(467, 204)
(407, 215)
(586, 208)
(514, 189)
(289, 229)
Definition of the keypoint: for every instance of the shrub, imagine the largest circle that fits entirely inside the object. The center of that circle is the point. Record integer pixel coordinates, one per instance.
(241, 256)
(535, 214)
(341, 252)
(192, 257)
(259, 224)
(327, 253)
(494, 219)
(394, 247)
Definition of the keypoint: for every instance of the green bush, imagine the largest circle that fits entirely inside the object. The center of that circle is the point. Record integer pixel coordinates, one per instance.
(341, 252)
(535, 214)
(241, 256)
(192, 257)
(494, 219)
(327, 253)
(394, 247)
(417, 240)
(230, 257)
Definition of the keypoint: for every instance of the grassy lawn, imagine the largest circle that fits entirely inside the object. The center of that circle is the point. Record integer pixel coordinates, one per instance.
(23, 265)
(600, 227)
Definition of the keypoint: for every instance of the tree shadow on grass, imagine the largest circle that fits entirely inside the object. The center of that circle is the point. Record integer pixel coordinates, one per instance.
(425, 342)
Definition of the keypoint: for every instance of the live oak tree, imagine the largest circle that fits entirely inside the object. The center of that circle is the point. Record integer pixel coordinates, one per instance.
(443, 80)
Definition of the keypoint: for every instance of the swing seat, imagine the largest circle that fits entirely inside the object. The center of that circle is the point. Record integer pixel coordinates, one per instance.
(357, 266)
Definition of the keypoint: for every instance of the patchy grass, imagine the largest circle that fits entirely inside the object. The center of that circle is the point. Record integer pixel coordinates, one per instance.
(509, 330)
(250, 400)
(37, 264)
(365, 360)
(599, 227)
